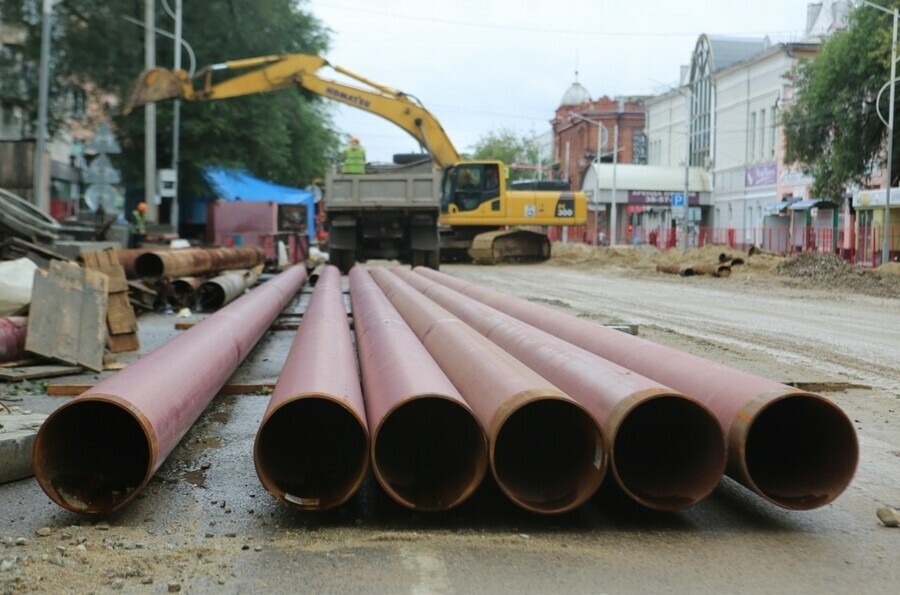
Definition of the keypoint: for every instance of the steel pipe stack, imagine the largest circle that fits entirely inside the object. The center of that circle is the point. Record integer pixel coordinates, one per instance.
(794, 448)
(428, 450)
(547, 453)
(98, 451)
(193, 261)
(312, 447)
(667, 450)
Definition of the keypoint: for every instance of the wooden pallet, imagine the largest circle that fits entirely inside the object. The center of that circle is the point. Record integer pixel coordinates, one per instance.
(120, 319)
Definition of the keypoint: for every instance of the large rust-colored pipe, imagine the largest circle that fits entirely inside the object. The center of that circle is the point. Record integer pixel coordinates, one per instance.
(192, 261)
(428, 450)
(546, 451)
(184, 291)
(12, 337)
(225, 288)
(128, 257)
(96, 452)
(312, 448)
(667, 450)
(794, 448)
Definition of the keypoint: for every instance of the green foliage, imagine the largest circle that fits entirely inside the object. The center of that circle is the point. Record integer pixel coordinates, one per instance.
(286, 136)
(832, 129)
(510, 148)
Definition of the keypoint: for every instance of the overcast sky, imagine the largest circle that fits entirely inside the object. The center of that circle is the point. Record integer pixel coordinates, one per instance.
(484, 65)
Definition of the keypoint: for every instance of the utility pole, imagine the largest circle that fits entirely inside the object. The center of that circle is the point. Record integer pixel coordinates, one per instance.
(39, 196)
(612, 199)
(150, 114)
(176, 118)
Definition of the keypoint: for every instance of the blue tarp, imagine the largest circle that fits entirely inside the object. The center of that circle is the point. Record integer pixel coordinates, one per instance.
(232, 184)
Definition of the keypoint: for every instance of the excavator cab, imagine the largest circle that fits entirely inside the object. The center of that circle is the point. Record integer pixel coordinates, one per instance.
(467, 186)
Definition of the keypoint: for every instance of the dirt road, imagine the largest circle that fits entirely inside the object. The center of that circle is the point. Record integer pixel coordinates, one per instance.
(205, 523)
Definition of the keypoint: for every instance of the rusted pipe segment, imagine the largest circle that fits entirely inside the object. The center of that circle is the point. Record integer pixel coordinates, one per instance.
(312, 447)
(314, 276)
(667, 450)
(428, 450)
(184, 290)
(716, 269)
(218, 291)
(12, 337)
(192, 261)
(127, 257)
(546, 451)
(96, 452)
(675, 269)
(794, 448)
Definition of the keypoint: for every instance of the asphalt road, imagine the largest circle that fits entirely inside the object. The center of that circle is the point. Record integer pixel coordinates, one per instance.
(206, 524)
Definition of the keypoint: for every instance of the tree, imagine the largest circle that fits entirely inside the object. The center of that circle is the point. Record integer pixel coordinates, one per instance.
(286, 137)
(510, 148)
(832, 129)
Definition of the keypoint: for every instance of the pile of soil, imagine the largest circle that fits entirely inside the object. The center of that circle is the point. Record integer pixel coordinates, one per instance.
(822, 269)
(819, 270)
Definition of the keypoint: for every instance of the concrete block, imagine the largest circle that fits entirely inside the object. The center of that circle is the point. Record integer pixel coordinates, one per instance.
(17, 434)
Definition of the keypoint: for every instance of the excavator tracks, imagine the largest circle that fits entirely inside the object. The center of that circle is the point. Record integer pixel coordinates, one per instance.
(517, 245)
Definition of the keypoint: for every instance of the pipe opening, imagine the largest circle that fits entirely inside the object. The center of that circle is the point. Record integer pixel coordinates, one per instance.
(312, 452)
(211, 296)
(801, 452)
(669, 453)
(149, 266)
(430, 453)
(92, 456)
(548, 456)
(183, 292)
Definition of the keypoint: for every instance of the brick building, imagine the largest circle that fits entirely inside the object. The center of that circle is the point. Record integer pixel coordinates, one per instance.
(575, 132)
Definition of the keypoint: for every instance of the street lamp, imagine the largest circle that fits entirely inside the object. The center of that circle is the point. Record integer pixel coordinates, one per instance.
(612, 222)
(885, 235)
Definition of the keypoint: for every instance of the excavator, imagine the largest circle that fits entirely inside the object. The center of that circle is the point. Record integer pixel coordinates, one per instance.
(477, 206)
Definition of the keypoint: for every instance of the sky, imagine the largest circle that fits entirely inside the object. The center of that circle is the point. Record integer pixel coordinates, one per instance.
(482, 66)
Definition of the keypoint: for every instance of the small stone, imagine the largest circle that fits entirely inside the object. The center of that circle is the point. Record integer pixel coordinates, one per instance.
(209, 535)
(227, 511)
(61, 549)
(524, 535)
(245, 547)
(117, 583)
(56, 561)
(147, 580)
(206, 465)
(257, 548)
(21, 541)
(43, 532)
(222, 504)
(231, 535)
(102, 527)
(220, 580)
(889, 516)
(81, 549)
(174, 587)
(7, 565)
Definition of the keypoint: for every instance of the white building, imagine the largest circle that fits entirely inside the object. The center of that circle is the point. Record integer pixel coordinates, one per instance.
(732, 96)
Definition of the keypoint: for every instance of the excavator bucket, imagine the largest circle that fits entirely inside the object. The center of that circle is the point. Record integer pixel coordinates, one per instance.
(156, 84)
(508, 246)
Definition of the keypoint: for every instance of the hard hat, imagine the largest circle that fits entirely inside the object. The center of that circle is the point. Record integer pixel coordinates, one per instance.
(142, 207)
(354, 139)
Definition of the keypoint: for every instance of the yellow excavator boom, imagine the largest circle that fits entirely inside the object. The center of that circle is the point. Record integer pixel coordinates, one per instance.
(271, 73)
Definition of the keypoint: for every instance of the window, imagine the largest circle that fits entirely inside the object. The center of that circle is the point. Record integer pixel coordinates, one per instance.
(762, 134)
(751, 137)
(772, 131)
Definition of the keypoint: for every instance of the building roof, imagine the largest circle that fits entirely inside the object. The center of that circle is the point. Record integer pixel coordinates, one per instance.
(727, 51)
(648, 177)
(576, 95)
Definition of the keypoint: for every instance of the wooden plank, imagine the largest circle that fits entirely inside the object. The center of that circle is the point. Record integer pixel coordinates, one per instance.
(35, 372)
(120, 316)
(73, 390)
(92, 324)
(121, 343)
(51, 329)
(20, 363)
(68, 315)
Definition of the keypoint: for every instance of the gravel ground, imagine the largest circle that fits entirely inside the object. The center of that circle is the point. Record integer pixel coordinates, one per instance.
(205, 523)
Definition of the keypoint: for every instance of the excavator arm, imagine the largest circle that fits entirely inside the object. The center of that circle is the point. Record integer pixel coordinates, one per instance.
(271, 73)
